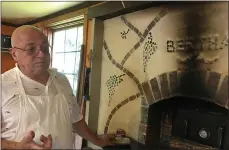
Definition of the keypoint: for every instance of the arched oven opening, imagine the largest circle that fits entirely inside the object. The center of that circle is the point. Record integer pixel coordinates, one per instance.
(186, 123)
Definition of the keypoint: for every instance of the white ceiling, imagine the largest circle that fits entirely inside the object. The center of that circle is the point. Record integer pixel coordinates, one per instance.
(21, 12)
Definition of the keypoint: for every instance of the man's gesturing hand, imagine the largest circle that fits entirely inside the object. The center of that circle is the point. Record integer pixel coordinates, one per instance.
(28, 143)
(47, 141)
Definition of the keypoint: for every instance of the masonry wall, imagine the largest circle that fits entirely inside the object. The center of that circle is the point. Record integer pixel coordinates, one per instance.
(147, 53)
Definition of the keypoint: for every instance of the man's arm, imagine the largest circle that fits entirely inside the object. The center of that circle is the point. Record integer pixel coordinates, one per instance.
(82, 130)
(9, 144)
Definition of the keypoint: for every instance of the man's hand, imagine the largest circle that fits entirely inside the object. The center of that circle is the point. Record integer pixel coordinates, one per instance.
(82, 130)
(28, 143)
(105, 140)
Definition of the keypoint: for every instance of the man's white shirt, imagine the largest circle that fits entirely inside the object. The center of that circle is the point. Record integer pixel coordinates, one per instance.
(10, 97)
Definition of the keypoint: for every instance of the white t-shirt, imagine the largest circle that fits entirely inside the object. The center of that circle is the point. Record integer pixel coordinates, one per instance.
(10, 97)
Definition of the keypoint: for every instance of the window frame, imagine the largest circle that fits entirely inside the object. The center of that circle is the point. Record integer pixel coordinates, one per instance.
(68, 27)
(81, 62)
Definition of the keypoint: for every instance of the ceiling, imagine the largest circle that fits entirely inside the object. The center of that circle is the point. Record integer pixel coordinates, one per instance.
(18, 13)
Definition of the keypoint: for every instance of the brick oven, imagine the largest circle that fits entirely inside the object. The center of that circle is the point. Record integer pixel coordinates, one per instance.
(186, 110)
(161, 74)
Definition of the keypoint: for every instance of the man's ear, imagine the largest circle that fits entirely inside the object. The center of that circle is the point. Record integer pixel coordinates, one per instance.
(13, 54)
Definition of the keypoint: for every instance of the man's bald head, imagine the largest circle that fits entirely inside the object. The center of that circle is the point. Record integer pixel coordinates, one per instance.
(20, 31)
(30, 49)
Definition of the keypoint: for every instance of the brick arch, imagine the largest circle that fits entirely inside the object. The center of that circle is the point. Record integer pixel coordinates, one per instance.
(205, 85)
(169, 84)
(147, 131)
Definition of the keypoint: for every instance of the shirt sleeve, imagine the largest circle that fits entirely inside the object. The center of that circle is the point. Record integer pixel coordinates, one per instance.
(75, 111)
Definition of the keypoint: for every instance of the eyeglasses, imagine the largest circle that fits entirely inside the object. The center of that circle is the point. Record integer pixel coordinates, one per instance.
(33, 50)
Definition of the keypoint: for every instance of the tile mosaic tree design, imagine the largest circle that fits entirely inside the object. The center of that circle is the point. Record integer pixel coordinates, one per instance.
(149, 49)
(112, 83)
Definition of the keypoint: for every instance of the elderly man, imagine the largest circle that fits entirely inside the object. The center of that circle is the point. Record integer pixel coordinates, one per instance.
(39, 110)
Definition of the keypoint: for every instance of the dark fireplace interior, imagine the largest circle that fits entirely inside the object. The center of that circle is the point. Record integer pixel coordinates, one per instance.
(186, 123)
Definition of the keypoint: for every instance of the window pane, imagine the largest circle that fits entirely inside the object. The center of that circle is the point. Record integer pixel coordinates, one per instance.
(69, 62)
(70, 41)
(79, 38)
(77, 63)
(58, 41)
(58, 61)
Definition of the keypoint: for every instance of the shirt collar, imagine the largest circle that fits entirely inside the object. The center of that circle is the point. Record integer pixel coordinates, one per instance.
(50, 70)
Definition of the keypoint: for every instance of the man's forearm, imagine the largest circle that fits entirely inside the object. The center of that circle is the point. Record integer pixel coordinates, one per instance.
(82, 130)
(9, 144)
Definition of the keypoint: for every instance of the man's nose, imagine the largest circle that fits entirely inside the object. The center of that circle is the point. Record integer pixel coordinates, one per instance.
(40, 53)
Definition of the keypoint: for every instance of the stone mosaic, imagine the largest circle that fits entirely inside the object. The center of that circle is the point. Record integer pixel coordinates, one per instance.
(119, 66)
(121, 104)
(150, 46)
(124, 33)
(112, 83)
(132, 27)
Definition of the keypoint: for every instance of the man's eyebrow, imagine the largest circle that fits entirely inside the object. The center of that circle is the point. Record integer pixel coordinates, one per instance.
(29, 44)
(32, 44)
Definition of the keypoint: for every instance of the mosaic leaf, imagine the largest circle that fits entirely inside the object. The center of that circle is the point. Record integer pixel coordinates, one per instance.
(123, 34)
(149, 48)
(112, 83)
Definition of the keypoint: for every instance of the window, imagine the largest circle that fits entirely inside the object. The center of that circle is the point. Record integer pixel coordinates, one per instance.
(66, 53)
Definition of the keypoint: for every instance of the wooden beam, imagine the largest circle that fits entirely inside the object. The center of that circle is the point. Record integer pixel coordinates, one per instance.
(116, 8)
(9, 24)
(112, 9)
(104, 9)
(95, 75)
(61, 18)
